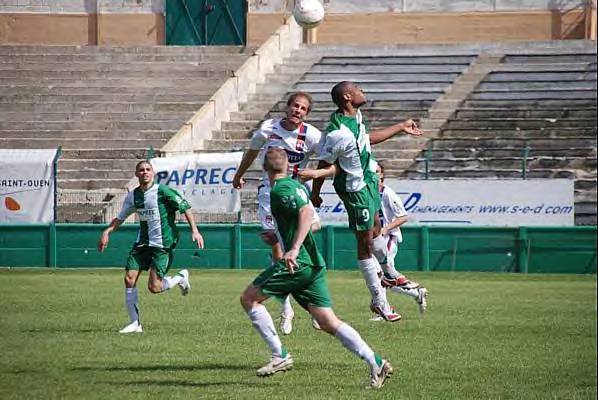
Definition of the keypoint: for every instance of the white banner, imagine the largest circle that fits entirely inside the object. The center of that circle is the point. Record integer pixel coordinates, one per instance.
(537, 202)
(26, 185)
(204, 179)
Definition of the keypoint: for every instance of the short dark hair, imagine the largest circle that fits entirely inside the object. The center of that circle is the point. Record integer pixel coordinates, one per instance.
(305, 95)
(339, 90)
(381, 166)
(140, 163)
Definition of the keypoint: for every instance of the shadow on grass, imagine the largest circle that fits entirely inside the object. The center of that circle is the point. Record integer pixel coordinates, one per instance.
(170, 383)
(198, 367)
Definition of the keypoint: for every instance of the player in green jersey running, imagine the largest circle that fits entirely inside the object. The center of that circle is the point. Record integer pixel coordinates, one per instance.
(302, 273)
(156, 206)
(347, 155)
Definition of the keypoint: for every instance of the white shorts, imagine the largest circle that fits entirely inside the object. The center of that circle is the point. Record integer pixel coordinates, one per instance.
(265, 214)
(392, 247)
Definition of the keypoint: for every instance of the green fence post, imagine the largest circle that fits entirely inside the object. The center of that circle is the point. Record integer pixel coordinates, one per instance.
(52, 245)
(329, 246)
(523, 253)
(237, 246)
(425, 248)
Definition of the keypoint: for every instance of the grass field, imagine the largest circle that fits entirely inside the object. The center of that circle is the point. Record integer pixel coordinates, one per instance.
(485, 336)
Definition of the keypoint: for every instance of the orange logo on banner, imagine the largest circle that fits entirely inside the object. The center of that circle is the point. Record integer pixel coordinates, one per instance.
(12, 204)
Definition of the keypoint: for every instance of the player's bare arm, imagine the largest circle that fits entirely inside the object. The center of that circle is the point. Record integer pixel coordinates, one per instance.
(195, 235)
(248, 158)
(409, 127)
(324, 170)
(394, 224)
(305, 217)
(105, 238)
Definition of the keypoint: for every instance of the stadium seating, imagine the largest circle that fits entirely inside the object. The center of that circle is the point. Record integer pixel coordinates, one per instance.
(105, 106)
(533, 117)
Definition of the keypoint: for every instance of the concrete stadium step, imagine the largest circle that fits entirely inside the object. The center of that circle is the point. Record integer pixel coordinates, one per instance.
(372, 86)
(323, 95)
(106, 153)
(137, 83)
(100, 107)
(93, 125)
(95, 173)
(529, 103)
(521, 123)
(81, 134)
(207, 72)
(364, 77)
(327, 106)
(79, 143)
(483, 113)
(549, 58)
(101, 89)
(159, 50)
(572, 142)
(544, 67)
(114, 97)
(510, 163)
(459, 173)
(538, 85)
(484, 152)
(372, 114)
(399, 59)
(92, 164)
(120, 67)
(90, 116)
(553, 94)
(523, 134)
(533, 76)
(92, 184)
(386, 68)
(123, 57)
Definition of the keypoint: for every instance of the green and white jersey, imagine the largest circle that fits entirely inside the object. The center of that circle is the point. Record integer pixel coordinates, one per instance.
(156, 208)
(347, 145)
(286, 199)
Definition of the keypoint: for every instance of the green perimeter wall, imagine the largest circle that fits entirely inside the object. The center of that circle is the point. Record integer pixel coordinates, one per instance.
(424, 248)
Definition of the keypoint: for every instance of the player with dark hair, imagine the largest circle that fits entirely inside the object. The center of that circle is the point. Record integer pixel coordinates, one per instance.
(156, 205)
(346, 155)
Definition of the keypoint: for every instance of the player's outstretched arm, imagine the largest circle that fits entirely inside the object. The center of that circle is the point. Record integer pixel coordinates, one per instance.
(195, 235)
(324, 170)
(248, 158)
(409, 127)
(105, 237)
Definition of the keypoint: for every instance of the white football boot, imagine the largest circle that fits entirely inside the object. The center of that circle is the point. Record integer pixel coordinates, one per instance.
(184, 284)
(379, 375)
(133, 327)
(276, 364)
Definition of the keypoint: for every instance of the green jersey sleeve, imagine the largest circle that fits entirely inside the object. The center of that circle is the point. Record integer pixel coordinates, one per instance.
(174, 199)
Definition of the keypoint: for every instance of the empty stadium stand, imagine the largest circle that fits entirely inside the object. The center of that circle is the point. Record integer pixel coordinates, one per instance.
(533, 117)
(105, 106)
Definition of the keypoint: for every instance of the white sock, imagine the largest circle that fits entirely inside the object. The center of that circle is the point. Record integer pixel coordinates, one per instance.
(353, 342)
(287, 309)
(131, 302)
(369, 268)
(170, 281)
(262, 321)
(408, 292)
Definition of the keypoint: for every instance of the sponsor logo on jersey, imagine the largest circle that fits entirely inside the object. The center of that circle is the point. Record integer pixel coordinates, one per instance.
(295, 157)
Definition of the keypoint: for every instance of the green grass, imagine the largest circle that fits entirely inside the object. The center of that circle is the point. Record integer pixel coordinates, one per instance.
(485, 336)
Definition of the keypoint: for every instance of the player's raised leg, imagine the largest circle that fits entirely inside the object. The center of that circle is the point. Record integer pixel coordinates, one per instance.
(380, 369)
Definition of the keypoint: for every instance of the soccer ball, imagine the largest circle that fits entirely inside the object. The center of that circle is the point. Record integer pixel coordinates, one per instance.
(308, 13)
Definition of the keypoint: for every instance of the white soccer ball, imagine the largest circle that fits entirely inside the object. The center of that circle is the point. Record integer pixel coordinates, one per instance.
(308, 13)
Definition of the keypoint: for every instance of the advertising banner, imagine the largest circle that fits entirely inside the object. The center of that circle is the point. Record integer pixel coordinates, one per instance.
(536, 202)
(205, 179)
(27, 185)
